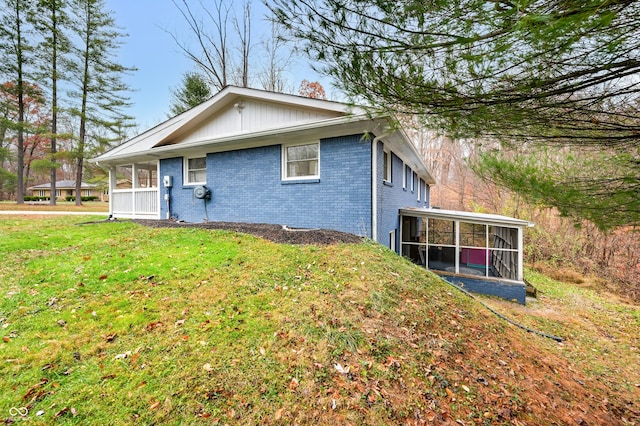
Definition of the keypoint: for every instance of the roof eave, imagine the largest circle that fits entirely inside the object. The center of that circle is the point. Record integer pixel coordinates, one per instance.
(326, 128)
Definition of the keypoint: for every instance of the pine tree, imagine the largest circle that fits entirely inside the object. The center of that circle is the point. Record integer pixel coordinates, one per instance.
(50, 18)
(14, 53)
(99, 84)
(531, 72)
(194, 91)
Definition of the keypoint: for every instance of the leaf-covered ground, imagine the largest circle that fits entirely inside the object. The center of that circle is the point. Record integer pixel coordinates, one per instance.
(117, 323)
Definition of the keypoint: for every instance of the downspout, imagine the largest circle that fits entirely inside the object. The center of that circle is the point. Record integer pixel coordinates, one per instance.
(374, 186)
(112, 187)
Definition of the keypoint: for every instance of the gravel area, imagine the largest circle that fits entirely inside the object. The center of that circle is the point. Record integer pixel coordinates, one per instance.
(275, 233)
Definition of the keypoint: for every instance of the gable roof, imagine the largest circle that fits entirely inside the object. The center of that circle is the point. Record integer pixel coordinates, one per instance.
(239, 118)
(64, 184)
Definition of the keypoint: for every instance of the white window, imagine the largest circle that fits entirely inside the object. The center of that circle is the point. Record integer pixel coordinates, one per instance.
(386, 166)
(301, 161)
(419, 188)
(426, 189)
(195, 170)
(404, 176)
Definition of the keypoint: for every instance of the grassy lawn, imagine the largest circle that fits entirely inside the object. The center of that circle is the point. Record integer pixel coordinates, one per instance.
(114, 323)
(88, 206)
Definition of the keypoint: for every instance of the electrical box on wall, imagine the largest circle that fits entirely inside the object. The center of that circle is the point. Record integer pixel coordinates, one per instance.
(168, 181)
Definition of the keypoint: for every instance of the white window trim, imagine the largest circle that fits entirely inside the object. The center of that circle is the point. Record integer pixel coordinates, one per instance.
(419, 188)
(404, 175)
(413, 181)
(185, 169)
(388, 171)
(283, 162)
(425, 191)
(392, 240)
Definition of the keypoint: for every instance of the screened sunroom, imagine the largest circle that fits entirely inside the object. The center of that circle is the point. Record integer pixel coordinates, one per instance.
(480, 251)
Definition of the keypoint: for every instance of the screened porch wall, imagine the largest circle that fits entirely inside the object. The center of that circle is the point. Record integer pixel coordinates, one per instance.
(461, 247)
(134, 191)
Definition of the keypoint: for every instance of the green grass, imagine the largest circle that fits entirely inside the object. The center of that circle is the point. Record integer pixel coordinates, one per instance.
(62, 206)
(115, 323)
(119, 321)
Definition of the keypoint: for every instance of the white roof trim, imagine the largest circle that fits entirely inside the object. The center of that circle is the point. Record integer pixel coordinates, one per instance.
(484, 218)
(164, 131)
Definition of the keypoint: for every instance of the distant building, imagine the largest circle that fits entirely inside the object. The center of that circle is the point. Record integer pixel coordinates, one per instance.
(67, 188)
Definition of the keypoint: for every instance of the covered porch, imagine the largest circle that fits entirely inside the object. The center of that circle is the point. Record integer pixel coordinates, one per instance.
(134, 191)
(481, 252)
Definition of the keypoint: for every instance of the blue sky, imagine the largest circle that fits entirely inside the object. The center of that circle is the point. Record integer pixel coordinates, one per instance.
(158, 59)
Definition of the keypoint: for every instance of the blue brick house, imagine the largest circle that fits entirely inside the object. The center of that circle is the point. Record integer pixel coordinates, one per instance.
(248, 155)
(271, 158)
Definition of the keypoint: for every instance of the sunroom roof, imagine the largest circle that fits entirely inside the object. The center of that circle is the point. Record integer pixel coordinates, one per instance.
(483, 218)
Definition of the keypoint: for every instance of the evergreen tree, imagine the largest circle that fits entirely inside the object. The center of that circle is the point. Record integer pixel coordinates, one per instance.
(14, 58)
(99, 85)
(531, 72)
(193, 92)
(50, 19)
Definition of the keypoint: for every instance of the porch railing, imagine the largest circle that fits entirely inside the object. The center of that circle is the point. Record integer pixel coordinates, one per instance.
(136, 202)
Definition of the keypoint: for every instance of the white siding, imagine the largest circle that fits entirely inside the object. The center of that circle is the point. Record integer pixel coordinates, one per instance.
(254, 116)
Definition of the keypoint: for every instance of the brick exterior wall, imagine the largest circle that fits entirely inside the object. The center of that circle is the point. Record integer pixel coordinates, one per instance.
(392, 196)
(246, 186)
(505, 290)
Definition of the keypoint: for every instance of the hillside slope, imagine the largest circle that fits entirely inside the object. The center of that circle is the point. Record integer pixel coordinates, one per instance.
(121, 324)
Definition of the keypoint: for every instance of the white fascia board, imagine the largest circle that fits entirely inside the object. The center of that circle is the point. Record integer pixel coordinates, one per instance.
(483, 218)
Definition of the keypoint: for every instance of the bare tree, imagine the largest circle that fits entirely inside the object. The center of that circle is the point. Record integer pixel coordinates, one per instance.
(244, 35)
(272, 75)
(214, 53)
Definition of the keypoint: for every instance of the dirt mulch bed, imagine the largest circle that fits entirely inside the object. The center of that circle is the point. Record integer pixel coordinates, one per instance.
(275, 233)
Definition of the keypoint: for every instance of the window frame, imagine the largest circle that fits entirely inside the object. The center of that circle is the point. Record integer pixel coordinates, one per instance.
(284, 162)
(186, 169)
(425, 192)
(404, 176)
(387, 170)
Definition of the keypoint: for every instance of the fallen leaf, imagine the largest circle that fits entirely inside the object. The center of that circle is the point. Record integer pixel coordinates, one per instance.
(61, 413)
(110, 337)
(450, 393)
(102, 277)
(154, 406)
(293, 385)
(466, 389)
(32, 390)
(278, 414)
(123, 355)
(340, 369)
(179, 323)
(207, 367)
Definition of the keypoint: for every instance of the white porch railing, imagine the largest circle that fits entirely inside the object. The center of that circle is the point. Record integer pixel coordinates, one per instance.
(136, 203)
